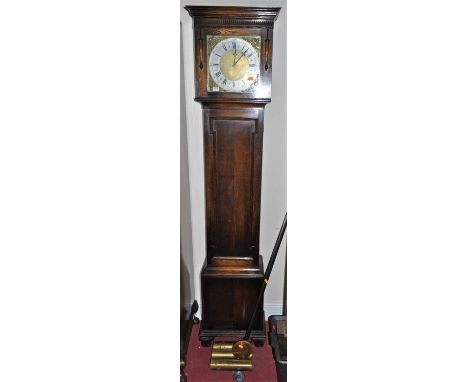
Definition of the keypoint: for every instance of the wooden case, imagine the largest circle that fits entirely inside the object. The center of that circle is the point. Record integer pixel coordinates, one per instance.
(233, 139)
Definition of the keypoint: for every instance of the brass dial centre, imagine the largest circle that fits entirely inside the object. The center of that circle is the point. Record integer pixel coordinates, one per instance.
(234, 65)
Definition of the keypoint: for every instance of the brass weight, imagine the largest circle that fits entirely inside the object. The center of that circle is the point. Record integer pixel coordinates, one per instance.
(223, 346)
(226, 355)
(231, 364)
(222, 355)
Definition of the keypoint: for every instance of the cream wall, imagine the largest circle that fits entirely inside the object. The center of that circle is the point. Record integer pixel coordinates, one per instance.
(187, 274)
(274, 155)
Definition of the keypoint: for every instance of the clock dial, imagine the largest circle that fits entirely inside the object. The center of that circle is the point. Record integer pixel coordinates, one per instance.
(234, 64)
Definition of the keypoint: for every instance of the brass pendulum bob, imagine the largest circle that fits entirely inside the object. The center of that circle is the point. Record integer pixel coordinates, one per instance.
(242, 350)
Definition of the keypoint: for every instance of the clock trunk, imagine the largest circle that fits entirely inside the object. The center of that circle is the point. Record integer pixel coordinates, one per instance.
(233, 139)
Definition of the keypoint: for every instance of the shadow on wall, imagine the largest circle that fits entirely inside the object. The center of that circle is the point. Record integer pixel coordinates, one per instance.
(186, 292)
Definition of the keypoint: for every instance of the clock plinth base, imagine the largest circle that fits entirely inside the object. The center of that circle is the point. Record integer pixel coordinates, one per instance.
(258, 336)
(228, 301)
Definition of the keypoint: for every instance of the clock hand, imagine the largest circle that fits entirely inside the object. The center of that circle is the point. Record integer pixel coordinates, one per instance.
(239, 58)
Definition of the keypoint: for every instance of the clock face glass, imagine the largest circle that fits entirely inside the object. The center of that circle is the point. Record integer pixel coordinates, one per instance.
(234, 64)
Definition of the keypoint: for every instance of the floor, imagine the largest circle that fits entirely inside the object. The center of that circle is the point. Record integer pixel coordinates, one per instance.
(198, 361)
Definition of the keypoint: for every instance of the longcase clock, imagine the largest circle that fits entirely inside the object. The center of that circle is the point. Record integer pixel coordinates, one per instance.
(233, 74)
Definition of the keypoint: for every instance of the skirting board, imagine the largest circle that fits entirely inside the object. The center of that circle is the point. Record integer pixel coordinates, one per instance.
(270, 310)
(273, 309)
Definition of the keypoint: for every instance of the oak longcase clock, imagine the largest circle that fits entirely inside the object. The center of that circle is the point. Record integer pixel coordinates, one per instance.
(233, 74)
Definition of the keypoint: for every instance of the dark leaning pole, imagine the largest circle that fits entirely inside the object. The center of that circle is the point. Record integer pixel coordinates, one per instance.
(271, 263)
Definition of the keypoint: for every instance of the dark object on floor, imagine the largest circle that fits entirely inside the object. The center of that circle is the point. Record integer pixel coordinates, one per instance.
(185, 334)
(238, 376)
(278, 340)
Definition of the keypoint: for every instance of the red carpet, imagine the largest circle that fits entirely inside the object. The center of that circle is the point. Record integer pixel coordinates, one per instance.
(198, 363)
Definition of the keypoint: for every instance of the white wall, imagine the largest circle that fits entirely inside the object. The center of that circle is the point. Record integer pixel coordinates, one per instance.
(187, 274)
(274, 154)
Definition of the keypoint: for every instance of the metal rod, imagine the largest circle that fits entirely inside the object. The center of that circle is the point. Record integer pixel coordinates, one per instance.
(267, 276)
